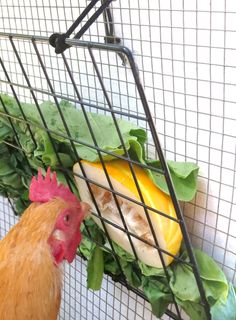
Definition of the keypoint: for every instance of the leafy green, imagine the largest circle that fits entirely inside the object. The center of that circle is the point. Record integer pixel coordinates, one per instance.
(95, 269)
(193, 309)
(219, 292)
(180, 283)
(102, 126)
(122, 253)
(131, 272)
(150, 271)
(14, 175)
(158, 294)
(93, 252)
(91, 233)
(54, 149)
(128, 265)
(184, 178)
(110, 264)
(225, 309)
(86, 248)
(183, 174)
(214, 280)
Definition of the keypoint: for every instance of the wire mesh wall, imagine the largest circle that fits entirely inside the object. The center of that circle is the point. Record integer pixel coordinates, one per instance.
(184, 52)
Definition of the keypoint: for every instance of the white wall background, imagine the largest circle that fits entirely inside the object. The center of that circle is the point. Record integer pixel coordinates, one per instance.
(186, 54)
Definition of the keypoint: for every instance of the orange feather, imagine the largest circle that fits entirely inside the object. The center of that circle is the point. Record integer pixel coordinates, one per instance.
(30, 281)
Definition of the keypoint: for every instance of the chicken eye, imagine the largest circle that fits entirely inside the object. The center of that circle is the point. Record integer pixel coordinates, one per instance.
(66, 218)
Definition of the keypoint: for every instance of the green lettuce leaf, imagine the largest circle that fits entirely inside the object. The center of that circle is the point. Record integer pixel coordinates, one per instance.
(102, 126)
(158, 294)
(131, 273)
(184, 178)
(40, 150)
(185, 289)
(110, 264)
(194, 310)
(183, 283)
(214, 280)
(150, 271)
(86, 248)
(225, 309)
(95, 269)
(183, 174)
(122, 253)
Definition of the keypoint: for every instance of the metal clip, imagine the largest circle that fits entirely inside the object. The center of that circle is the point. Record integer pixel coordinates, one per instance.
(57, 40)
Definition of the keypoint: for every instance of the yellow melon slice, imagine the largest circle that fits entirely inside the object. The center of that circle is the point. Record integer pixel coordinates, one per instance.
(167, 231)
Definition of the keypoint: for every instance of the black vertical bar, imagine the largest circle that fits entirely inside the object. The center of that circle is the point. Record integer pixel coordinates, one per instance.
(169, 183)
(11, 204)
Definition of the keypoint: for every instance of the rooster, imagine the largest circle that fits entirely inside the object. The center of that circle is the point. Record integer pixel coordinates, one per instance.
(32, 253)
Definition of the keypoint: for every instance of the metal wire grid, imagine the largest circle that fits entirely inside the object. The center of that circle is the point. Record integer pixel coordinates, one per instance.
(19, 63)
(191, 62)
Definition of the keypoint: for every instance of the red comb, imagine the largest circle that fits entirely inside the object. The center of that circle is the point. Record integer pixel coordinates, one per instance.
(45, 189)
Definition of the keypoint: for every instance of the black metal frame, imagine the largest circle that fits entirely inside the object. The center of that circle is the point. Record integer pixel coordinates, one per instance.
(124, 52)
(58, 40)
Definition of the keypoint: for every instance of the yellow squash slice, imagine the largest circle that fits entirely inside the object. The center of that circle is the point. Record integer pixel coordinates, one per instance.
(167, 231)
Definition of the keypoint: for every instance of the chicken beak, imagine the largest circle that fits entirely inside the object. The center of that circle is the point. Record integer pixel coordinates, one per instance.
(86, 209)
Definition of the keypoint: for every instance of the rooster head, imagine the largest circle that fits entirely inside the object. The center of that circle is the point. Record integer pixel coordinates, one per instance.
(65, 236)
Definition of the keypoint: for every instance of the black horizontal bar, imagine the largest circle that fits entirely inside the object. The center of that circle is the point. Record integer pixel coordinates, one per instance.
(71, 42)
(80, 102)
(45, 40)
(95, 45)
(82, 43)
(23, 36)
